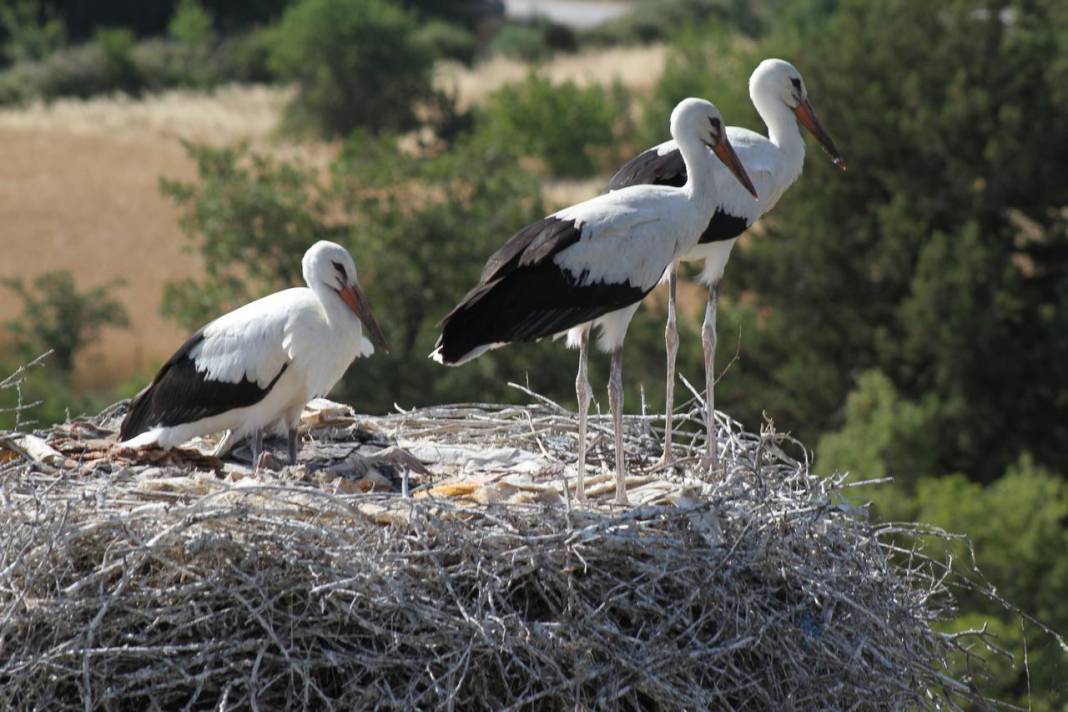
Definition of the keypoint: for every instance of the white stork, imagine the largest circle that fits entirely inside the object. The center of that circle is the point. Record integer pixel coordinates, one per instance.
(778, 92)
(258, 366)
(592, 263)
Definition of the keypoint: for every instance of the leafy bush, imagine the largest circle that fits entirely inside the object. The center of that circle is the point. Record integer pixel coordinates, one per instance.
(30, 31)
(533, 41)
(563, 124)
(57, 316)
(116, 45)
(448, 41)
(248, 210)
(357, 63)
(246, 57)
(191, 24)
(521, 42)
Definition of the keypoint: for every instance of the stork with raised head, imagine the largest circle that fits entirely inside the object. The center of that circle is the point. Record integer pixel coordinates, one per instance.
(257, 366)
(592, 263)
(774, 162)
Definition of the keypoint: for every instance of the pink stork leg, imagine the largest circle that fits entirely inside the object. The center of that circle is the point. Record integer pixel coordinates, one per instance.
(582, 391)
(615, 402)
(671, 342)
(710, 461)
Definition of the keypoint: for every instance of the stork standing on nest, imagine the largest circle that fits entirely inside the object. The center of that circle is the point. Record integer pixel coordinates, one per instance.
(592, 263)
(260, 364)
(774, 162)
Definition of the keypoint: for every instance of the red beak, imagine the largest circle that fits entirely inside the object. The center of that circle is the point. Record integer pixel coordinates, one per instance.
(807, 116)
(357, 302)
(725, 152)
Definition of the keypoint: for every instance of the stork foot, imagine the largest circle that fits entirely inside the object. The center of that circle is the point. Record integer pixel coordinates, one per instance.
(265, 461)
(666, 462)
(709, 464)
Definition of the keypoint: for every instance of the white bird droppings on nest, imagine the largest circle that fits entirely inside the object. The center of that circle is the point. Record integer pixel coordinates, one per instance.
(176, 579)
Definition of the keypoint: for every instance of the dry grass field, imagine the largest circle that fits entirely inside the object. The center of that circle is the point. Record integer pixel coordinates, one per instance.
(79, 187)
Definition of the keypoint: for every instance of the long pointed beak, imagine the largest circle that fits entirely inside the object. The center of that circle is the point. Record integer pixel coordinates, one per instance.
(725, 152)
(357, 302)
(807, 116)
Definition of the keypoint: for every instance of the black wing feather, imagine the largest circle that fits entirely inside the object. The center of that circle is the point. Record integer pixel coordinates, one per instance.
(723, 226)
(181, 394)
(651, 168)
(527, 304)
(537, 241)
(524, 296)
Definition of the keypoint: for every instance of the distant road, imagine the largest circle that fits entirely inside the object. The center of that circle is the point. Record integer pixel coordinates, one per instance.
(579, 14)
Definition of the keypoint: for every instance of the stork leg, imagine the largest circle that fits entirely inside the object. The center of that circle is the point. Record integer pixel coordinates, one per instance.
(293, 440)
(257, 447)
(225, 445)
(671, 342)
(615, 402)
(710, 461)
(582, 391)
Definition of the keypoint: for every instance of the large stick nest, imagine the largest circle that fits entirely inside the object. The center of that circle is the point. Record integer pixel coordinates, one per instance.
(193, 583)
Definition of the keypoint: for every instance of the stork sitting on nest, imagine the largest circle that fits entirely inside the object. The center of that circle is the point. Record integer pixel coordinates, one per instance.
(592, 263)
(260, 364)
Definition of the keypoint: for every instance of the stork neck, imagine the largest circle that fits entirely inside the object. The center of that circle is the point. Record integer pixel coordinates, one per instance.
(699, 160)
(783, 130)
(328, 297)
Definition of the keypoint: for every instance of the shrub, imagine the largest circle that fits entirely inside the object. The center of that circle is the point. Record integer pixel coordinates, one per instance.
(191, 24)
(447, 40)
(357, 63)
(246, 57)
(116, 45)
(563, 124)
(57, 316)
(30, 31)
(523, 42)
(248, 217)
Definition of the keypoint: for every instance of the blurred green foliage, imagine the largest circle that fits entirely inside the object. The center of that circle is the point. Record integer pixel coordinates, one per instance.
(357, 63)
(563, 124)
(191, 24)
(448, 40)
(662, 20)
(29, 30)
(57, 316)
(533, 40)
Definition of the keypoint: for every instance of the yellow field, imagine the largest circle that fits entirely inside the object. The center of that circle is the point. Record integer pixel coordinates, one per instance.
(79, 187)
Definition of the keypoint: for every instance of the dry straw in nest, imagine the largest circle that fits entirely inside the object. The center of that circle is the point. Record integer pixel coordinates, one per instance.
(761, 588)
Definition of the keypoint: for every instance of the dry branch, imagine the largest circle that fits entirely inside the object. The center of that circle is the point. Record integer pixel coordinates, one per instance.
(127, 585)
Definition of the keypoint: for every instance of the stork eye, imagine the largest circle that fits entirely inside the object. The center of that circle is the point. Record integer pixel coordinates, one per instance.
(796, 82)
(341, 271)
(716, 124)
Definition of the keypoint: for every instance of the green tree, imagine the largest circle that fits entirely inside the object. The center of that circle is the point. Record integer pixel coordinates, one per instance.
(248, 217)
(563, 124)
(191, 24)
(57, 316)
(357, 63)
(30, 31)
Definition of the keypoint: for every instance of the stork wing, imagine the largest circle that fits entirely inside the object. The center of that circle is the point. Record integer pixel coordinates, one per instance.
(659, 165)
(233, 362)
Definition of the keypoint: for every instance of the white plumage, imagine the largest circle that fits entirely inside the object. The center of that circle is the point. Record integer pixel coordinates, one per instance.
(773, 163)
(257, 366)
(591, 264)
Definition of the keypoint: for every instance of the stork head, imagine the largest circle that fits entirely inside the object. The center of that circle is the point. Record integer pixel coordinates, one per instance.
(329, 266)
(778, 80)
(697, 118)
